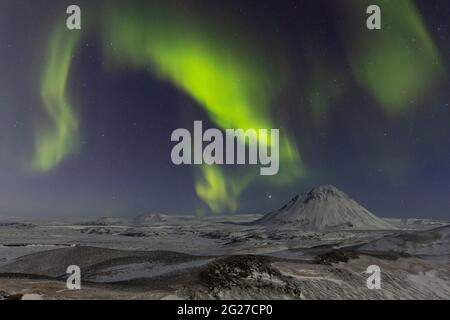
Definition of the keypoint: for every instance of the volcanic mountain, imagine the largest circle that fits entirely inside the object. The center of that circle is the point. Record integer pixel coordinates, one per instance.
(324, 208)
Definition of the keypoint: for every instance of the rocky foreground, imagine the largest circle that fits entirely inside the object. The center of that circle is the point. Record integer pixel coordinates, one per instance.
(318, 272)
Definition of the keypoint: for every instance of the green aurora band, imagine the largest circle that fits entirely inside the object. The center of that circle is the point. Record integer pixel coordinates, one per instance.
(397, 64)
(230, 79)
(59, 139)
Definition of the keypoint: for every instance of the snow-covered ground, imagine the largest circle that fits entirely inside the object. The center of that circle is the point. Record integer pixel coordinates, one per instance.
(318, 246)
(188, 257)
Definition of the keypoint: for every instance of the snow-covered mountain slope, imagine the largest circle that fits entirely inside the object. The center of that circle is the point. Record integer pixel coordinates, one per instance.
(325, 208)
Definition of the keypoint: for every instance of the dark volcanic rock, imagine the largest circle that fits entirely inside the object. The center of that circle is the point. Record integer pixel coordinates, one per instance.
(335, 256)
(243, 276)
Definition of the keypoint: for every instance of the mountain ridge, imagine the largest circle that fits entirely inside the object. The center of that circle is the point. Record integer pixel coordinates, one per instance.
(324, 208)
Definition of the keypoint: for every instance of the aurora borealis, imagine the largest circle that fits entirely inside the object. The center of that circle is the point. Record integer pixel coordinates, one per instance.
(408, 55)
(223, 77)
(58, 139)
(86, 115)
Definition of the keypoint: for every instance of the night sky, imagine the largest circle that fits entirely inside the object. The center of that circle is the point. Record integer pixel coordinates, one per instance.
(86, 116)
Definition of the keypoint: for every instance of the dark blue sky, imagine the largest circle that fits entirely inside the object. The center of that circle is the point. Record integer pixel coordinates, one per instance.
(395, 166)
